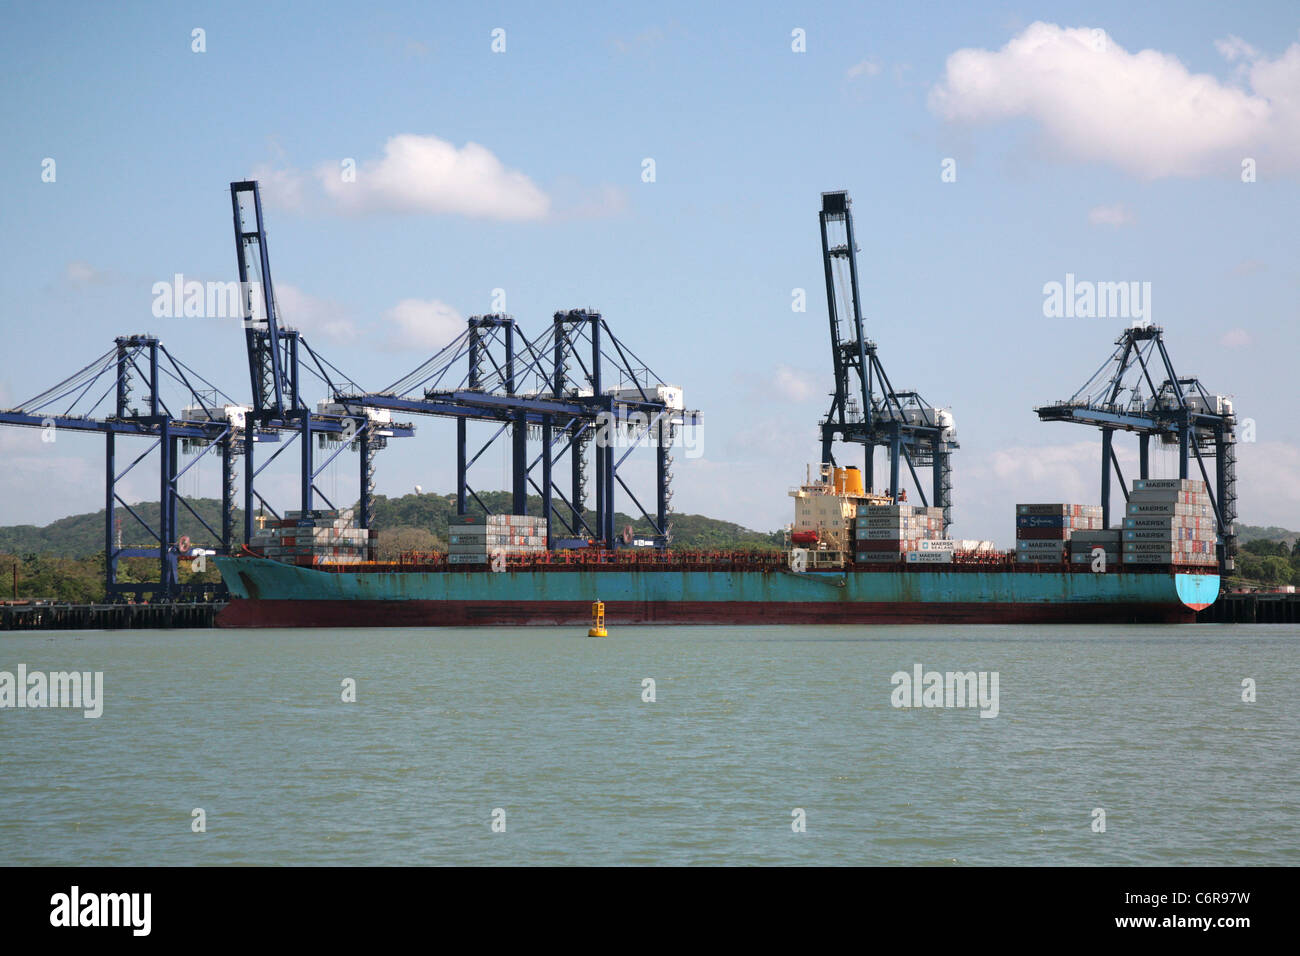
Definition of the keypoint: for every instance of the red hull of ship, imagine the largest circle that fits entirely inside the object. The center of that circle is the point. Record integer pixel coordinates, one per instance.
(271, 613)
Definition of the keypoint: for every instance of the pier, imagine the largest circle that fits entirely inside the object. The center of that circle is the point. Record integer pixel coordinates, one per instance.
(1258, 607)
(106, 617)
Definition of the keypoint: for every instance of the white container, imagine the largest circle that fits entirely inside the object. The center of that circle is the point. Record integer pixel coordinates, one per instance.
(936, 544)
(928, 557)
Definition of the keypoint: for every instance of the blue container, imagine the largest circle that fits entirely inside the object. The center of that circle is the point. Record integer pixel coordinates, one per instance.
(1043, 521)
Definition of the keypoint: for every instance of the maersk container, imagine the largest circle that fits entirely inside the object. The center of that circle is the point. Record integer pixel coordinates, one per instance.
(1148, 508)
(1112, 558)
(1109, 535)
(1169, 497)
(1162, 484)
(1160, 534)
(1089, 511)
(936, 544)
(881, 534)
(883, 511)
(1159, 522)
(1168, 557)
(467, 559)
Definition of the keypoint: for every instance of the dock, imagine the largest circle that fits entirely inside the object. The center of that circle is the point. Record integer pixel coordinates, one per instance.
(106, 617)
(1256, 607)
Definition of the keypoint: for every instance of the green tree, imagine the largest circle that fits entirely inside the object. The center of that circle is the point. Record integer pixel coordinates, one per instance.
(1276, 570)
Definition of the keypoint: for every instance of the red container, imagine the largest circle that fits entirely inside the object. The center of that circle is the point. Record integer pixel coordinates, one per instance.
(892, 545)
(1042, 534)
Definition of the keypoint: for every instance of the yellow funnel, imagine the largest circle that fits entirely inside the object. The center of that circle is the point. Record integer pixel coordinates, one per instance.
(852, 482)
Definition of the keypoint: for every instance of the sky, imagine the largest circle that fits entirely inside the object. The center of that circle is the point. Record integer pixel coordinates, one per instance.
(990, 150)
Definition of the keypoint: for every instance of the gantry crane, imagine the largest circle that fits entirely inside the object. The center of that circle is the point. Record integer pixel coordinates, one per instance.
(279, 361)
(554, 389)
(1137, 390)
(121, 393)
(865, 408)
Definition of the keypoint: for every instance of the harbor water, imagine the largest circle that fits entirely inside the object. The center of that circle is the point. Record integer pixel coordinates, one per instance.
(779, 745)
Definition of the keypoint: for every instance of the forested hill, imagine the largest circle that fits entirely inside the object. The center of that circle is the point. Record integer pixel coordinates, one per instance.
(423, 519)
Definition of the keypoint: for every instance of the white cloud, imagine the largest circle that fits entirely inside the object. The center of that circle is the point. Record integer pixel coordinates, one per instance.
(430, 175)
(1066, 473)
(1235, 339)
(1233, 48)
(797, 385)
(319, 319)
(424, 325)
(646, 39)
(44, 481)
(281, 188)
(81, 273)
(1115, 214)
(1143, 112)
(1268, 484)
(427, 175)
(868, 67)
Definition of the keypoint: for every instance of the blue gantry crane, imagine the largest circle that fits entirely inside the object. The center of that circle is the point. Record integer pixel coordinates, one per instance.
(866, 409)
(281, 366)
(554, 390)
(1137, 390)
(122, 394)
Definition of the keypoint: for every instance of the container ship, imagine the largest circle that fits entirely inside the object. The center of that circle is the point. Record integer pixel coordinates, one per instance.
(852, 557)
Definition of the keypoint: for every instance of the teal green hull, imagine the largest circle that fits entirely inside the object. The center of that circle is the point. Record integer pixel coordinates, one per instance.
(270, 593)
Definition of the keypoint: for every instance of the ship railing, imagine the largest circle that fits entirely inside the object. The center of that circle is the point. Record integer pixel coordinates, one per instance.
(630, 559)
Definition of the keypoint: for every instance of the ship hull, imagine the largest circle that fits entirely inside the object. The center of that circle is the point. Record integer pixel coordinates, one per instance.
(271, 594)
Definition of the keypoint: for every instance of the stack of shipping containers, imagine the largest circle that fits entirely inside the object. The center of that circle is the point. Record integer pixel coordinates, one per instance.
(894, 533)
(1083, 543)
(1169, 521)
(473, 539)
(1044, 530)
(327, 536)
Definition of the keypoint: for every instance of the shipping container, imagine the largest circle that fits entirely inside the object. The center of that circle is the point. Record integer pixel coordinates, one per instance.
(1152, 508)
(882, 511)
(1112, 558)
(895, 546)
(928, 557)
(936, 544)
(1042, 534)
(1160, 484)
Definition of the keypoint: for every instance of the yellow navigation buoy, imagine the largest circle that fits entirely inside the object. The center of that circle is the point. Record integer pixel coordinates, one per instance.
(598, 620)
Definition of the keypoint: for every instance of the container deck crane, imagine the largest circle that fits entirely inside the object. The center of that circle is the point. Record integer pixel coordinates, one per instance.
(865, 407)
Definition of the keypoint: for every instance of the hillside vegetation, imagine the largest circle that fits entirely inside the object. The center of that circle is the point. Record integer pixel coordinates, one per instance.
(64, 560)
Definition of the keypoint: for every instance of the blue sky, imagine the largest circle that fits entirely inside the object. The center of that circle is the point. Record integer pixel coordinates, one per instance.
(1123, 168)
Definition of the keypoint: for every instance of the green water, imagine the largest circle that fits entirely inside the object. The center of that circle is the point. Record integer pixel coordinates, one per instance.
(1146, 723)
